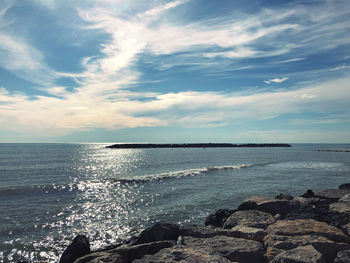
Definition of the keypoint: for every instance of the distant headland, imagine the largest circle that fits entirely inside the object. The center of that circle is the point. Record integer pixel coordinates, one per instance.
(193, 145)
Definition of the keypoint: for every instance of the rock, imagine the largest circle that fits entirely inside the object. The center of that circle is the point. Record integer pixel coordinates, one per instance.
(218, 219)
(344, 186)
(345, 198)
(249, 218)
(308, 194)
(340, 207)
(307, 227)
(346, 229)
(251, 233)
(79, 247)
(99, 257)
(284, 197)
(343, 257)
(158, 232)
(130, 253)
(270, 205)
(183, 254)
(234, 249)
(237, 231)
(248, 205)
(305, 254)
(333, 194)
(328, 248)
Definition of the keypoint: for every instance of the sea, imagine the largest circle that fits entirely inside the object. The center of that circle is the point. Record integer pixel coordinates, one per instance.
(49, 193)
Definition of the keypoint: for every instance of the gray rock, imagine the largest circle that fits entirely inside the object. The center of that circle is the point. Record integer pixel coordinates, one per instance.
(218, 219)
(183, 254)
(249, 218)
(333, 194)
(305, 254)
(79, 247)
(284, 196)
(158, 232)
(251, 233)
(100, 257)
(234, 249)
(343, 257)
(308, 194)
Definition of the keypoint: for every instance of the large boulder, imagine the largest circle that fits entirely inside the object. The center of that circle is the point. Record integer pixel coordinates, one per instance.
(234, 249)
(158, 232)
(305, 254)
(79, 247)
(99, 257)
(249, 218)
(218, 219)
(344, 186)
(183, 254)
(343, 257)
(269, 205)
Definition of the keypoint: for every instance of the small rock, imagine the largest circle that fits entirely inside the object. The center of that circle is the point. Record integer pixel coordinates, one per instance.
(305, 254)
(249, 218)
(308, 194)
(79, 247)
(342, 257)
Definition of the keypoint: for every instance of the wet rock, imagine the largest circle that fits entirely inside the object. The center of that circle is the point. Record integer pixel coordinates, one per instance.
(333, 194)
(248, 205)
(183, 254)
(343, 257)
(158, 232)
(305, 254)
(79, 247)
(270, 205)
(249, 218)
(284, 196)
(308, 194)
(234, 249)
(307, 227)
(218, 219)
(344, 186)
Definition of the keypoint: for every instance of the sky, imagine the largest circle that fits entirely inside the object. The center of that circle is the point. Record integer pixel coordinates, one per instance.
(175, 71)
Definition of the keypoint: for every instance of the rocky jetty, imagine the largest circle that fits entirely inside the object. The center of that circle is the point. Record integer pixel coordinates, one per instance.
(314, 227)
(192, 145)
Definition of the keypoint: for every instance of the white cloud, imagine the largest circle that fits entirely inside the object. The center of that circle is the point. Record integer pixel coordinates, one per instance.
(276, 80)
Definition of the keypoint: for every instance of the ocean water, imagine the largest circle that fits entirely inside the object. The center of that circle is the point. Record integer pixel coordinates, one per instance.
(51, 192)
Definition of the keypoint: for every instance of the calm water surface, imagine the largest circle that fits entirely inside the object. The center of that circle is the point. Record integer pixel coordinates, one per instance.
(51, 192)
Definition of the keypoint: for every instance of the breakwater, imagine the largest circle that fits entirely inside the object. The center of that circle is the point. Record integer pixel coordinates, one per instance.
(193, 145)
(312, 227)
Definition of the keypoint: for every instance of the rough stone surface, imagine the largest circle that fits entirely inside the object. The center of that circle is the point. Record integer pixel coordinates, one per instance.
(343, 257)
(205, 231)
(307, 227)
(249, 218)
(308, 194)
(270, 205)
(333, 194)
(100, 257)
(182, 254)
(234, 249)
(158, 232)
(340, 207)
(251, 233)
(218, 219)
(305, 254)
(79, 247)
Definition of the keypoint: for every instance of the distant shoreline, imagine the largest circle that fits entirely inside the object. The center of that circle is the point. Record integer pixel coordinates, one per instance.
(193, 145)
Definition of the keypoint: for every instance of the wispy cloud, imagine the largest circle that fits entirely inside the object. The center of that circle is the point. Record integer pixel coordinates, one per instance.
(276, 80)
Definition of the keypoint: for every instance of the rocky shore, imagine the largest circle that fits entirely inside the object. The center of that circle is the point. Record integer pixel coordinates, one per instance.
(313, 227)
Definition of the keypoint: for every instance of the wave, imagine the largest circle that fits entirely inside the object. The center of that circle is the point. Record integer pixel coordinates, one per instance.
(179, 174)
(32, 190)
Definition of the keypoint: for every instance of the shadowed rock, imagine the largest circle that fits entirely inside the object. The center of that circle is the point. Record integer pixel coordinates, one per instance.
(343, 257)
(269, 205)
(344, 186)
(333, 194)
(218, 219)
(158, 232)
(79, 247)
(284, 197)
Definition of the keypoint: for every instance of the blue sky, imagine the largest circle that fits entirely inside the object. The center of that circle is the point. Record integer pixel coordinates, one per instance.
(174, 71)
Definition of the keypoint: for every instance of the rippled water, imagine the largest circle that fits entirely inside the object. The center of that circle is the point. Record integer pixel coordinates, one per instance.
(51, 192)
